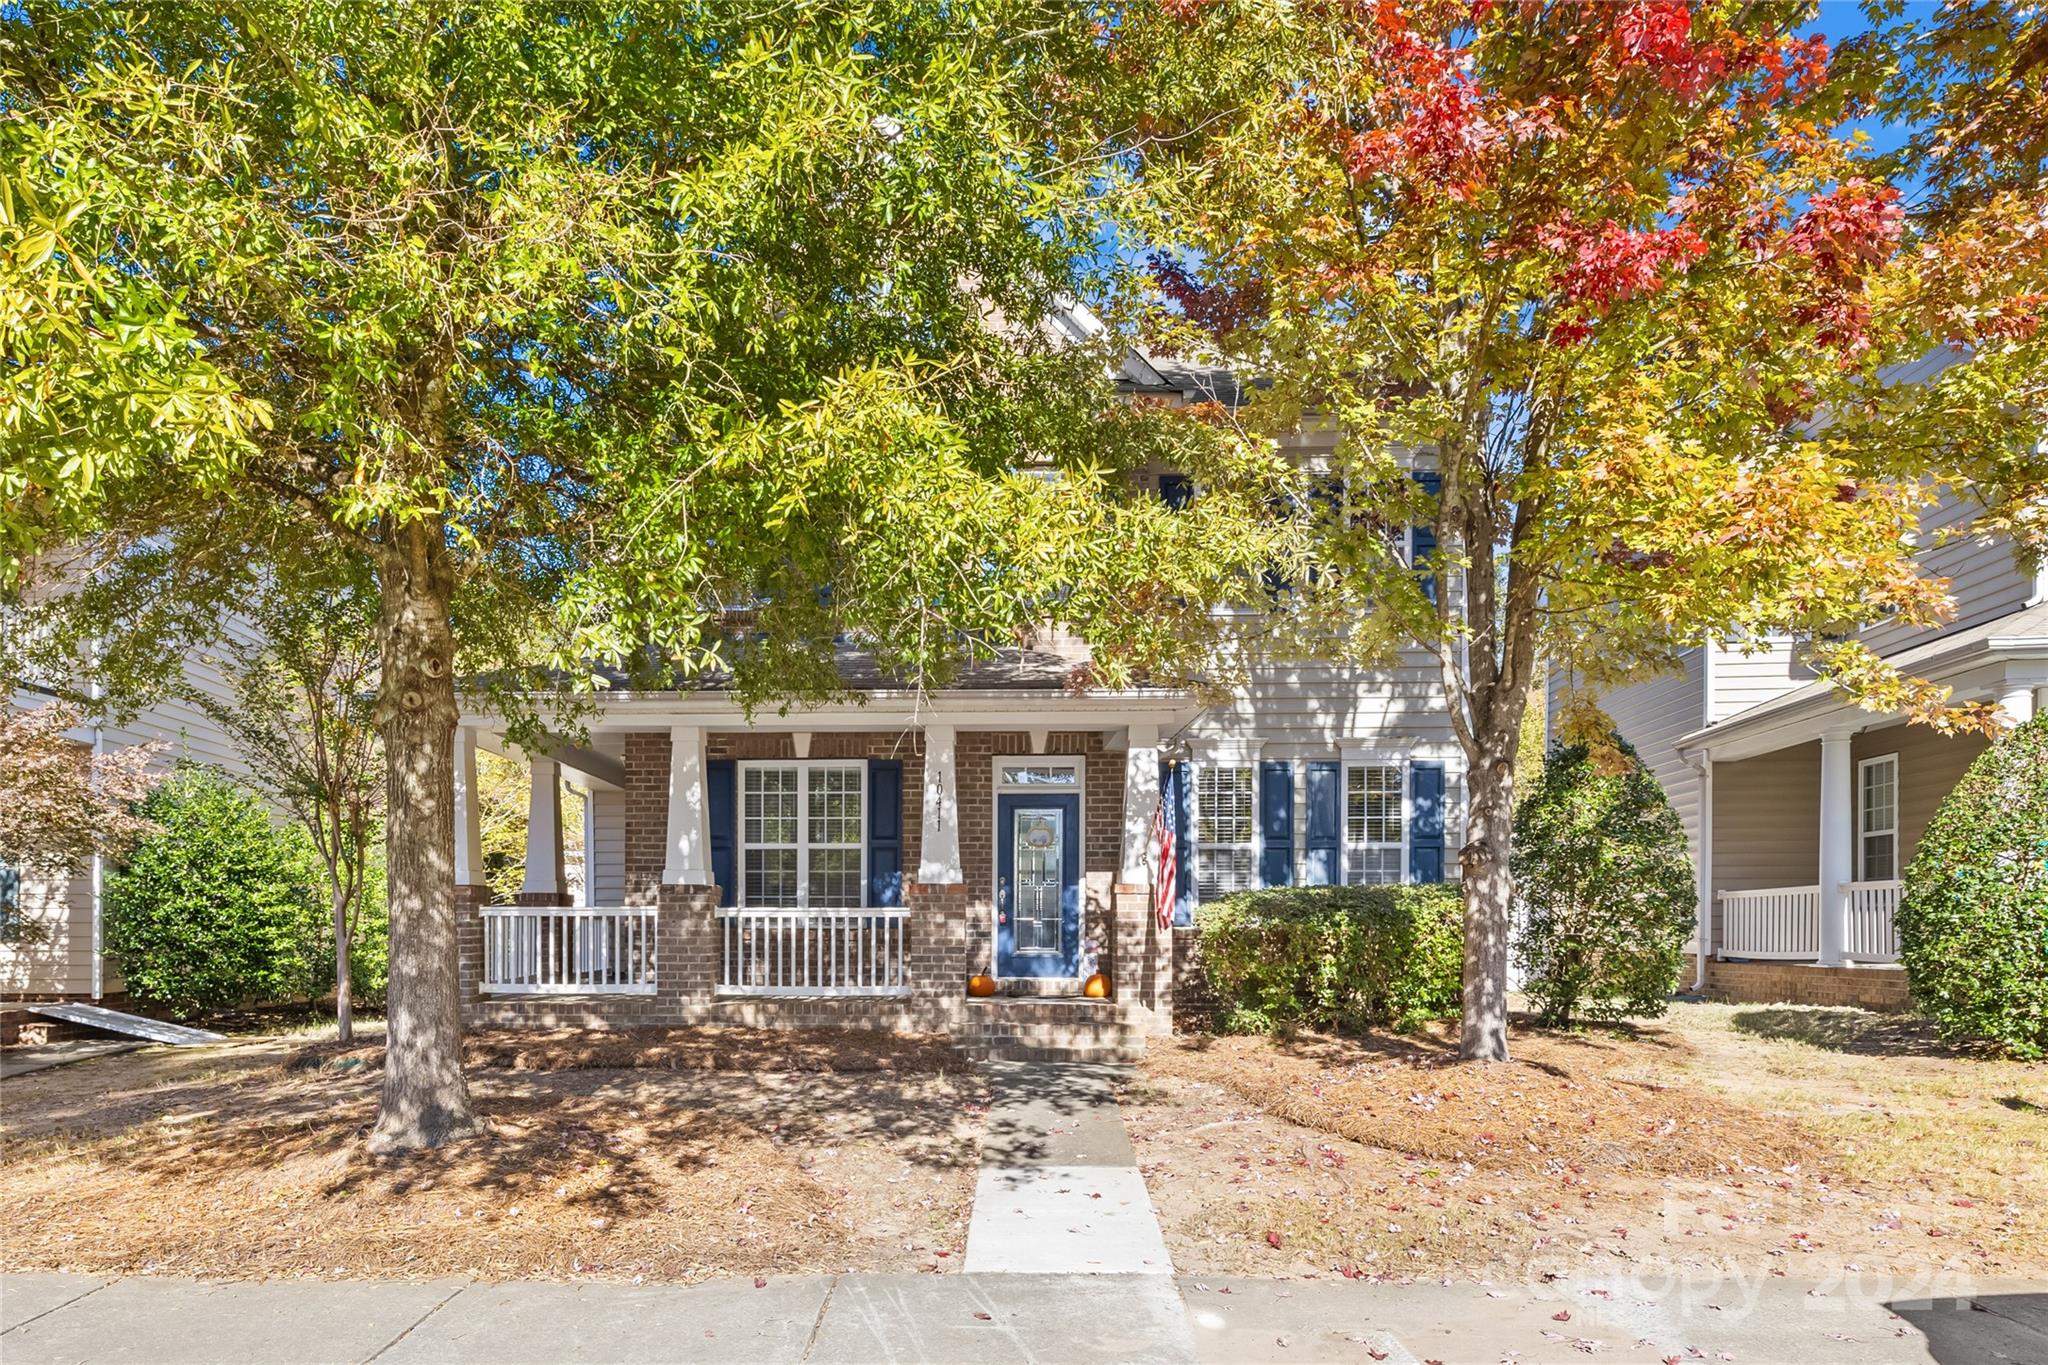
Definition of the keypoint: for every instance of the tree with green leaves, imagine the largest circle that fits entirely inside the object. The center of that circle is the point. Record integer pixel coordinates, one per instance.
(1973, 919)
(1626, 281)
(301, 675)
(696, 334)
(1604, 886)
(218, 907)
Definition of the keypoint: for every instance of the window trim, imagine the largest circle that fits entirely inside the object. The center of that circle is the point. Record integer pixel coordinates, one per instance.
(1360, 762)
(1890, 760)
(1256, 845)
(803, 768)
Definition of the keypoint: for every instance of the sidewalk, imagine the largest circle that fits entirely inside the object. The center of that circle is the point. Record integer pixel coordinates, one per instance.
(997, 1318)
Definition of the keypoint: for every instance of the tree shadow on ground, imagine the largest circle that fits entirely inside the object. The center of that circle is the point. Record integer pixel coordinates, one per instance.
(665, 1170)
(1838, 1029)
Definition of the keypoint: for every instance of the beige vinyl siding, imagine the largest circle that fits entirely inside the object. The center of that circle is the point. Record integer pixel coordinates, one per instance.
(1767, 822)
(1930, 765)
(1984, 577)
(1740, 680)
(608, 847)
(187, 732)
(54, 956)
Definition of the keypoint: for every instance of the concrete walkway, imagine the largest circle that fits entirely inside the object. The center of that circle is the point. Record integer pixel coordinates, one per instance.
(1059, 1190)
(1072, 1319)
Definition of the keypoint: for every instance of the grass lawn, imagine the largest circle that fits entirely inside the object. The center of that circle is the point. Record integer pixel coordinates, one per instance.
(1808, 1142)
(658, 1156)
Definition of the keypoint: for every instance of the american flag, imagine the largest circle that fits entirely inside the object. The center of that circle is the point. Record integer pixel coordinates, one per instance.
(1163, 891)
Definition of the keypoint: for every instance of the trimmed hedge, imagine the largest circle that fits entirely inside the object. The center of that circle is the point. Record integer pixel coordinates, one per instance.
(1973, 920)
(1606, 888)
(220, 907)
(1332, 957)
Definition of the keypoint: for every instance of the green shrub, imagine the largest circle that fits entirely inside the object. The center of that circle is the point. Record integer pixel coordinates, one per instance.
(220, 907)
(1332, 957)
(1605, 886)
(1973, 921)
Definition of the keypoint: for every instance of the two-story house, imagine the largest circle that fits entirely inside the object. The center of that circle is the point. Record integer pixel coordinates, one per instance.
(855, 864)
(1802, 809)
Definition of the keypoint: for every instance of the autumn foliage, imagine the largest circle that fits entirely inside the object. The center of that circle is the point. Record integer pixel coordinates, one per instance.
(1687, 355)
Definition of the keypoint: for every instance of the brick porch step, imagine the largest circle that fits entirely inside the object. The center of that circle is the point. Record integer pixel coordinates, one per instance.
(1012, 1029)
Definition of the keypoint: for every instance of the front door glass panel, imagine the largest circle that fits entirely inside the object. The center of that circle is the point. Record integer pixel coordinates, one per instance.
(1040, 849)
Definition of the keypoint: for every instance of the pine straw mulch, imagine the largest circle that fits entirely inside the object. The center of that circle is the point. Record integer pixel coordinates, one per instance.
(1610, 1153)
(843, 1050)
(656, 1173)
(1564, 1099)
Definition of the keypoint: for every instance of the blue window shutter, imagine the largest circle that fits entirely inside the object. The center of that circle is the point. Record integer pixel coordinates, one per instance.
(721, 785)
(1426, 822)
(1176, 490)
(1322, 847)
(1276, 824)
(885, 831)
(1422, 539)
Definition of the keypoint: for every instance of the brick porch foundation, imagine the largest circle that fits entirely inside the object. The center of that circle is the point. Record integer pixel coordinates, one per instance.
(1866, 986)
(941, 951)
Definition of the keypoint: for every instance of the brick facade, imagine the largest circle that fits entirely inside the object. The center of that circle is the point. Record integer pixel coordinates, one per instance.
(949, 929)
(1800, 983)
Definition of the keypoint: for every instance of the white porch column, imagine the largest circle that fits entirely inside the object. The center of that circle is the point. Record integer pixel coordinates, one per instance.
(1837, 843)
(544, 830)
(1141, 804)
(688, 861)
(1703, 860)
(938, 860)
(469, 836)
(2016, 699)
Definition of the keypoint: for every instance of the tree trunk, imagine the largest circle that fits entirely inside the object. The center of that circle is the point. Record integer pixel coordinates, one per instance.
(344, 997)
(426, 1101)
(1489, 892)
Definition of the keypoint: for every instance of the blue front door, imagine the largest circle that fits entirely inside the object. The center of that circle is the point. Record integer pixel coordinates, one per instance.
(1038, 885)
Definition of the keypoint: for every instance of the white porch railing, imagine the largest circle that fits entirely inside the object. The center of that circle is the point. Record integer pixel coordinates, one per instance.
(1873, 911)
(1779, 922)
(546, 950)
(811, 952)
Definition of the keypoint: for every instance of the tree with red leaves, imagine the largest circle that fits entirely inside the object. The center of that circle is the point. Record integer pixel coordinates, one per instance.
(1623, 277)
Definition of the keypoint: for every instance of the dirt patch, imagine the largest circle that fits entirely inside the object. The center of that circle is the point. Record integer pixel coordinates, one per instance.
(674, 1049)
(255, 1169)
(1684, 1144)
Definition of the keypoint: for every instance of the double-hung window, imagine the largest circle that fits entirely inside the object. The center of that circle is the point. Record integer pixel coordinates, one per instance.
(803, 834)
(1373, 823)
(1226, 829)
(1877, 819)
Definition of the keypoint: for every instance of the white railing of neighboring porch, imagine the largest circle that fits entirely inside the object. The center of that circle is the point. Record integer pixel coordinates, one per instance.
(1781, 922)
(548, 950)
(811, 952)
(1873, 914)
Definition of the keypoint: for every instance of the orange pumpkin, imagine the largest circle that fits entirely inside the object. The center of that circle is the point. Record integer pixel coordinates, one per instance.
(981, 985)
(1096, 987)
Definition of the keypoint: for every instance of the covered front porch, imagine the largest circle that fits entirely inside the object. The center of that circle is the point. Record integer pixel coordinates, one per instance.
(1812, 809)
(852, 864)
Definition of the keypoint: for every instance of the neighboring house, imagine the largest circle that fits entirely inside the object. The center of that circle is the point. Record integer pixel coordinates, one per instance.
(1803, 810)
(855, 863)
(51, 936)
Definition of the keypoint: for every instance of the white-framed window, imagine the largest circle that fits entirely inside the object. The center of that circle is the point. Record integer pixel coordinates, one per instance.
(803, 834)
(1877, 819)
(1226, 829)
(1375, 823)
